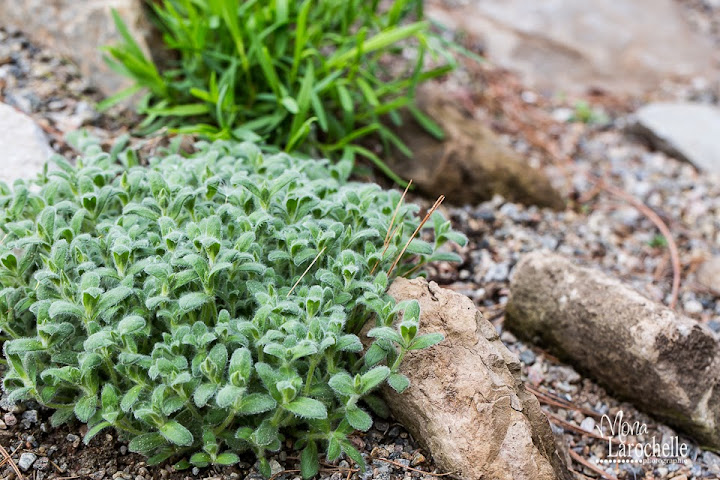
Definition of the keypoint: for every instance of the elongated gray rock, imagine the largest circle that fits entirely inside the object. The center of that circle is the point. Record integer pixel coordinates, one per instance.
(664, 363)
(23, 146)
(466, 402)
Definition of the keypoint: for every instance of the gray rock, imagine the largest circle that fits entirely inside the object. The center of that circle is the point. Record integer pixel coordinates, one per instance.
(23, 145)
(6, 404)
(466, 401)
(77, 29)
(562, 45)
(688, 131)
(630, 344)
(26, 461)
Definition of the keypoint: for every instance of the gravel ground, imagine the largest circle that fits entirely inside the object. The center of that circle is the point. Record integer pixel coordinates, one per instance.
(52, 92)
(597, 229)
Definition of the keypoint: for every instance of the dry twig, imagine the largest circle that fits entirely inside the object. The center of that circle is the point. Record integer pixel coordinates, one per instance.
(427, 216)
(551, 399)
(660, 224)
(565, 424)
(12, 462)
(391, 231)
(306, 271)
(397, 209)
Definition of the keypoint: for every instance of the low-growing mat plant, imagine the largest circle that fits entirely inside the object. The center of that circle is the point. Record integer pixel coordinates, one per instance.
(315, 76)
(209, 304)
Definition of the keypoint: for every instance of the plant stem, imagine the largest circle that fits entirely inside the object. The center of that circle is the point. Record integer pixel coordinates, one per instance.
(311, 372)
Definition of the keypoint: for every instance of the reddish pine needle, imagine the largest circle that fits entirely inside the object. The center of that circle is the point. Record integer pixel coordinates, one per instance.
(427, 217)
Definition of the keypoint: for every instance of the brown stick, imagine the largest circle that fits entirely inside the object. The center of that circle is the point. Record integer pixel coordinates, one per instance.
(565, 424)
(556, 401)
(12, 463)
(427, 216)
(660, 224)
(382, 255)
(390, 231)
(306, 271)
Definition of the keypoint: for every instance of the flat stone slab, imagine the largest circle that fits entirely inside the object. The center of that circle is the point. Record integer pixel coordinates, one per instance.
(625, 46)
(687, 131)
(663, 362)
(24, 149)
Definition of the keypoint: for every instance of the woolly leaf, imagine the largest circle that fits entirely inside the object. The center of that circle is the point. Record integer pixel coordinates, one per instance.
(358, 418)
(176, 433)
(398, 382)
(305, 407)
(192, 301)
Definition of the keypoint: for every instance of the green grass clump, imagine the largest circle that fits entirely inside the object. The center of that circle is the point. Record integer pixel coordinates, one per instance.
(314, 75)
(208, 304)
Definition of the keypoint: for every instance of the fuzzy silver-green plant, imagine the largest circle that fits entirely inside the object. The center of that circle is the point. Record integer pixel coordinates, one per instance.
(207, 304)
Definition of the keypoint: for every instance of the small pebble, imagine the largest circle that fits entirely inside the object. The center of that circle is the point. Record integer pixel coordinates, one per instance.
(588, 424)
(99, 475)
(527, 357)
(29, 417)
(508, 337)
(10, 419)
(41, 463)
(692, 307)
(26, 461)
(275, 467)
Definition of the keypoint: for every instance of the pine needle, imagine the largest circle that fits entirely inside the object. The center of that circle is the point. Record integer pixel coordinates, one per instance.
(12, 463)
(427, 217)
(388, 234)
(306, 271)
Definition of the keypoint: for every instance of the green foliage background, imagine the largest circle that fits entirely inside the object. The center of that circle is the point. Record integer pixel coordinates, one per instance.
(314, 76)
